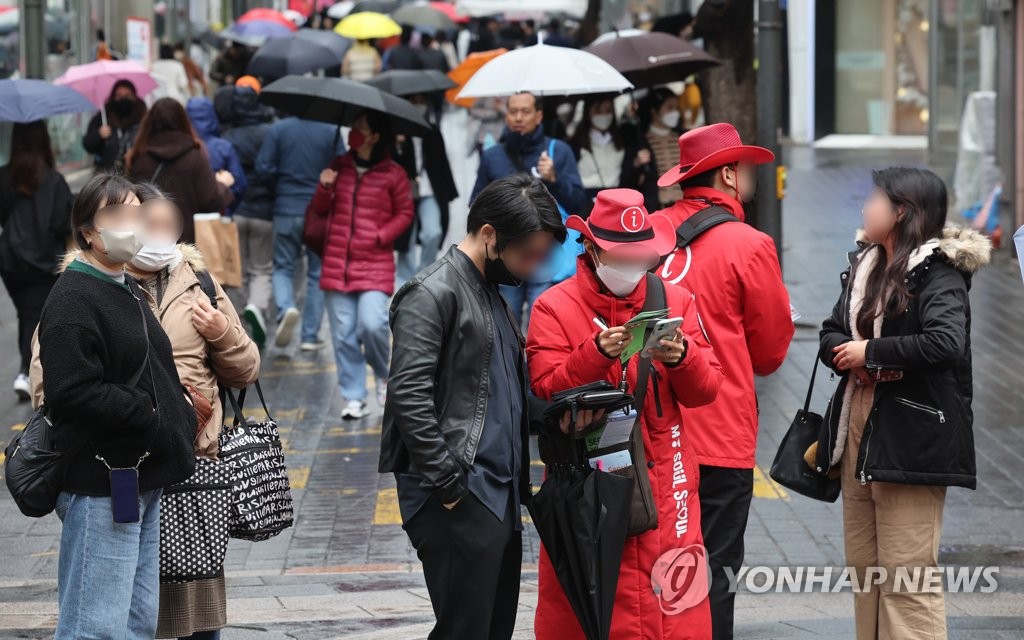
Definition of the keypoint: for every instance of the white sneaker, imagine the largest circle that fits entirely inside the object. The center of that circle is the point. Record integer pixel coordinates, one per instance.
(354, 410)
(382, 392)
(23, 388)
(311, 346)
(286, 327)
(257, 326)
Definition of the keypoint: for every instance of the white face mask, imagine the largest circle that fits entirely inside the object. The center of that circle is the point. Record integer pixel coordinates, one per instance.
(602, 122)
(621, 281)
(670, 119)
(119, 246)
(156, 257)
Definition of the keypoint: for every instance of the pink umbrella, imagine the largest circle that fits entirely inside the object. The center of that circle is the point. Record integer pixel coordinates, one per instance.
(96, 79)
(449, 10)
(263, 14)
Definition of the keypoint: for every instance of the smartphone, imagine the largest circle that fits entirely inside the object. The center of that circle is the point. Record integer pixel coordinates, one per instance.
(124, 494)
(663, 330)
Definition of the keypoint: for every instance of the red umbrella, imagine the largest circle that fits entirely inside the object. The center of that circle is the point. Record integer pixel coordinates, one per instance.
(449, 10)
(263, 14)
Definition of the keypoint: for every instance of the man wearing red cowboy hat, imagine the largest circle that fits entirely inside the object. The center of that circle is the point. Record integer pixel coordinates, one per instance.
(568, 346)
(733, 269)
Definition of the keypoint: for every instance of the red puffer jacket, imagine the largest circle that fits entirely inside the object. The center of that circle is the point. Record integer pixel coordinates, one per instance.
(368, 213)
(562, 353)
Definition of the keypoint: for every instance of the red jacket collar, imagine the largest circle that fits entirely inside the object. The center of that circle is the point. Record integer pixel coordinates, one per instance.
(697, 198)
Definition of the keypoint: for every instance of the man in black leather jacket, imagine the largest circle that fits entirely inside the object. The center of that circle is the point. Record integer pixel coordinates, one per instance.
(456, 422)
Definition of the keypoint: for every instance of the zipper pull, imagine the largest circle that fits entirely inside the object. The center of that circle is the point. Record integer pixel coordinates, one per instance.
(863, 480)
(942, 418)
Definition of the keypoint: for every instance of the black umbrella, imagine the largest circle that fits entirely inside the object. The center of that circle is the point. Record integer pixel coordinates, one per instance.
(377, 6)
(649, 59)
(340, 101)
(423, 16)
(307, 50)
(405, 82)
(581, 516)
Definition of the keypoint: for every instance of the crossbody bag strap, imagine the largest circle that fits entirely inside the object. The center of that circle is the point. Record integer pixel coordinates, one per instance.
(810, 387)
(655, 300)
(700, 222)
(156, 174)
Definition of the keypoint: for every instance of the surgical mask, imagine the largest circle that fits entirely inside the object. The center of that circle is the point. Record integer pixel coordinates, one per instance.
(120, 246)
(670, 119)
(602, 122)
(356, 139)
(156, 257)
(496, 272)
(620, 281)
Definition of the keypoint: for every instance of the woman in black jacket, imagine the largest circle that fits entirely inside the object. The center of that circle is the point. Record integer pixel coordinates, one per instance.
(35, 206)
(108, 141)
(114, 397)
(899, 428)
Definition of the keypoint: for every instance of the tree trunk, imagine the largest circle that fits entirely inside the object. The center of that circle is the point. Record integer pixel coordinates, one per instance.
(590, 24)
(729, 90)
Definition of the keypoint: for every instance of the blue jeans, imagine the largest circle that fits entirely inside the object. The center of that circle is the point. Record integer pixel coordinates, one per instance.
(427, 225)
(288, 250)
(527, 294)
(360, 332)
(108, 576)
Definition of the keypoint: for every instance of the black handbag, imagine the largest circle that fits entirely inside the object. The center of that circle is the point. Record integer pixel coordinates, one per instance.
(33, 469)
(596, 395)
(194, 519)
(789, 468)
(261, 494)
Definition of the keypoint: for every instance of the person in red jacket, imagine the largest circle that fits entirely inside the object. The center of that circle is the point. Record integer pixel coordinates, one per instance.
(566, 348)
(367, 196)
(733, 270)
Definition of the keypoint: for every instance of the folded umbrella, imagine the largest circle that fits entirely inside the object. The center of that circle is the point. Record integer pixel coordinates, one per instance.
(423, 16)
(31, 100)
(94, 80)
(367, 25)
(545, 71)
(406, 82)
(649, 59)
(340, 101)
(581, 516)
(306, 50)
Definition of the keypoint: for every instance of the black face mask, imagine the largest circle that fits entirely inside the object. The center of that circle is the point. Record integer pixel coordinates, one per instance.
(124, 106)
(496, 272)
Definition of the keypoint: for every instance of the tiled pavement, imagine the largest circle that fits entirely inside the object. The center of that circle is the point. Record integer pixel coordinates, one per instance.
(346, 569)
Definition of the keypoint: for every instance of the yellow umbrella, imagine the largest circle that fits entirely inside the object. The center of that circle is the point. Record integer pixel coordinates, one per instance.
(367, 25)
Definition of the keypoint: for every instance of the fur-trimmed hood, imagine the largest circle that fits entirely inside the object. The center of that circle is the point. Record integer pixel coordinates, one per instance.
(189, 253)
(966, 250)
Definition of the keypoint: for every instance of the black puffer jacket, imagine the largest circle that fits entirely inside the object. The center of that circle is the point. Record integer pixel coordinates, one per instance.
(920, 427)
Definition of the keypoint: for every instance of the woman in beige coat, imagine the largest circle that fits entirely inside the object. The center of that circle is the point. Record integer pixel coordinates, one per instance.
(210, 348)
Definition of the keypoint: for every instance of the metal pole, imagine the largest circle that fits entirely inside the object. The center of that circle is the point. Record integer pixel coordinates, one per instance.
(771, 177)
(33, 37)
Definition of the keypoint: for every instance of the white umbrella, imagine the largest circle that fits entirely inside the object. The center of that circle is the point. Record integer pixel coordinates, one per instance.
(341, 9)
(480, 8)
(544, 70)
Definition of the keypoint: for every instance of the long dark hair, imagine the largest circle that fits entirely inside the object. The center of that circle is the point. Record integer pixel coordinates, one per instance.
(920, 197)
(581, 137)
(31, 156)
(650, 103)
(166, 114)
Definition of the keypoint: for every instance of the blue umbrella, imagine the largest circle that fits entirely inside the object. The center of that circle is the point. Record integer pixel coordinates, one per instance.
(31, 100)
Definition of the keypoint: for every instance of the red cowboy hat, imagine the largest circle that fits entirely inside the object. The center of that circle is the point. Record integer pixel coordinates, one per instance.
(620, 224)
(706, 148)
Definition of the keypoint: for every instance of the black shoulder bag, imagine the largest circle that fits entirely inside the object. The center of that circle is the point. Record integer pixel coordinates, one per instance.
(789, 468)
(33, 469)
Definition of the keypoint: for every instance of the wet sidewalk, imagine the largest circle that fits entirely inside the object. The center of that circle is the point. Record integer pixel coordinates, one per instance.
(346, 570)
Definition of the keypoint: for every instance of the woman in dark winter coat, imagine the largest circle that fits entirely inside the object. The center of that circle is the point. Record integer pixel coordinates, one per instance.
(899, 428)
(35, 207)
(115, 400)
(368, 202)
(110, 142)
(169, 154)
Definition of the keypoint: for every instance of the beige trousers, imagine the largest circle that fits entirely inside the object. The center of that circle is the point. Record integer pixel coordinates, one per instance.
(895, 527)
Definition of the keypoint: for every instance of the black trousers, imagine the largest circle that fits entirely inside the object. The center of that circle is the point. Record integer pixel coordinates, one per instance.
(28, 298)
(472, 564)
(724, 505)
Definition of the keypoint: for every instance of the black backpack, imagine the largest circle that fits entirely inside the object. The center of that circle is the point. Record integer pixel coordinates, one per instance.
(700, 222)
